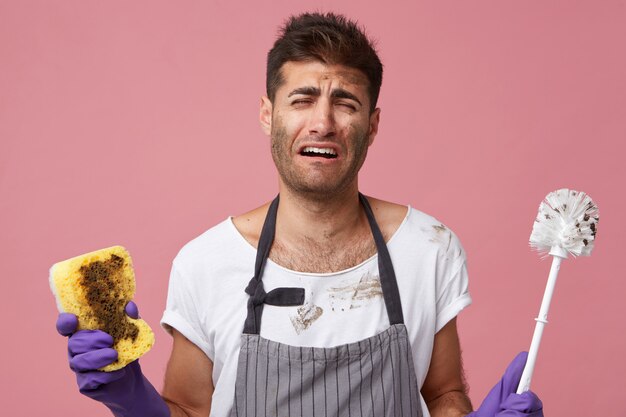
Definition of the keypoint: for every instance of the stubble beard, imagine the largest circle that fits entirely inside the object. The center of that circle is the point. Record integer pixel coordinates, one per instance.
(316, 190)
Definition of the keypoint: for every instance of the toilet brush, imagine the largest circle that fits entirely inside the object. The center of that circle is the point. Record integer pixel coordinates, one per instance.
(566, 223)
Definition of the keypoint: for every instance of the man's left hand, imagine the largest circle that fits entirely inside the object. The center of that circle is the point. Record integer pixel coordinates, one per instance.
(502, 400)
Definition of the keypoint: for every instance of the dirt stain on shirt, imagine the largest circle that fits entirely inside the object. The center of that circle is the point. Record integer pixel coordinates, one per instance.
(357, 294)
(441, 235)
(306, 315)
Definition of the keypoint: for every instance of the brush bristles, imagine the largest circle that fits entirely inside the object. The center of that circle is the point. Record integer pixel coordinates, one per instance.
(567, 219)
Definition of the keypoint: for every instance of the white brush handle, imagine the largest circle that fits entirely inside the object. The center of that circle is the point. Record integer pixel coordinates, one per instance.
(524, 384)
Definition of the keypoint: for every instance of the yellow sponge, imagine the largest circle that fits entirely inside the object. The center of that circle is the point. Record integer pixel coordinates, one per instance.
(96, 288)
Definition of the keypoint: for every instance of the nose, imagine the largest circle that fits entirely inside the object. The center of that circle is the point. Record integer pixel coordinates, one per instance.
(322, 122)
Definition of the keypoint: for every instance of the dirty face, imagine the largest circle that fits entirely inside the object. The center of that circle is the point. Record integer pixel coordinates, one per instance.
(320, 127)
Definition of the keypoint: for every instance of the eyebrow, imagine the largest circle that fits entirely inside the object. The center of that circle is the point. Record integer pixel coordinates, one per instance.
(314, 91)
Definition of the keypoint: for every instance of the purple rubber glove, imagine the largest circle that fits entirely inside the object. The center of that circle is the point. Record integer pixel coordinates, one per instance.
(126, 392)
(502, 401)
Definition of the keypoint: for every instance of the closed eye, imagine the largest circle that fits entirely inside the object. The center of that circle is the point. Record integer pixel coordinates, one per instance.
(348, 106)
(301, 101)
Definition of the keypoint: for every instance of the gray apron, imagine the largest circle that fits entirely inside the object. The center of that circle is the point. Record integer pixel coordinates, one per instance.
(372, 377)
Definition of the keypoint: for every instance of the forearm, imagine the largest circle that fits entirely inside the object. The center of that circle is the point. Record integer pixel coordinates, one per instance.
(450, 404)
(188, 385)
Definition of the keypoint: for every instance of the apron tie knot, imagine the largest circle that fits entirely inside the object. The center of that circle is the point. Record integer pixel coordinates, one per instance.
(256, 292)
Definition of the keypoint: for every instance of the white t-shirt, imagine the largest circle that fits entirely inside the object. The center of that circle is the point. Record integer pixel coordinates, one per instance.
(206, 300)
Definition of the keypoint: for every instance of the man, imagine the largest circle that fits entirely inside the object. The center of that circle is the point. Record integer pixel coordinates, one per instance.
(359, 313)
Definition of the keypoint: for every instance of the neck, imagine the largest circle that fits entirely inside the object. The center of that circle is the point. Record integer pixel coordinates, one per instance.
(332, 219)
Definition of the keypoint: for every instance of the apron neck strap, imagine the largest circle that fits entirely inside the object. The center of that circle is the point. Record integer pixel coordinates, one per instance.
(258, 297)
(267, 238)
(388, 281)
(295, 296)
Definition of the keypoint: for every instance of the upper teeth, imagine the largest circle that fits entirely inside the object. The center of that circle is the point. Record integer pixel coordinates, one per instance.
(319, 150)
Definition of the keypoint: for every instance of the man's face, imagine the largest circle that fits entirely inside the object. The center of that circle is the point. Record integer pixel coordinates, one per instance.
(320, 127)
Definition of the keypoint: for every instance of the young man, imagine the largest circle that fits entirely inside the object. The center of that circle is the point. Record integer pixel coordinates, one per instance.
(352, 303)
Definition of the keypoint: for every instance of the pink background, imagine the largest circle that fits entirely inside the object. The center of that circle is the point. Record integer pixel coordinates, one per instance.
(136, 123)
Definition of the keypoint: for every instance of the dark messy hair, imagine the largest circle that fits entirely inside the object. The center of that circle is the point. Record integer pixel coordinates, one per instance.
(329, 38)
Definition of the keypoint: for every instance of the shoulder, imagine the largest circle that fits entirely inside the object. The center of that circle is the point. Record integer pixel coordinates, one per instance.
(392, 218)
(249, 224)
(389, 216)
(427, 234)
(233, 230)
(213, 244)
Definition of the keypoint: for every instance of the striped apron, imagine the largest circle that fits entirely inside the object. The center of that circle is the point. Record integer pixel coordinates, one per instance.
(372, 377)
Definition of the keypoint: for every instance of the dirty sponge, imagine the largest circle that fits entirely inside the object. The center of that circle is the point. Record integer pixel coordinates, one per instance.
(96, 288)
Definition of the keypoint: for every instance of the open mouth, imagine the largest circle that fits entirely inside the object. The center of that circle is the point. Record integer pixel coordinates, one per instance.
(327, 153)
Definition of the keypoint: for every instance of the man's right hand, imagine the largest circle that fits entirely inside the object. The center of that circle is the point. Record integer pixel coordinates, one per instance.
(88, 350)
(126, 392)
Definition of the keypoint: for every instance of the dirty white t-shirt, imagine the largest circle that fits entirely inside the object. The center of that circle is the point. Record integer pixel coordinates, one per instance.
(206, 300)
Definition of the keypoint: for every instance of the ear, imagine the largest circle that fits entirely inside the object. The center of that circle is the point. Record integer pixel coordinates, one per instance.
(265, 115)
(373, 126)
